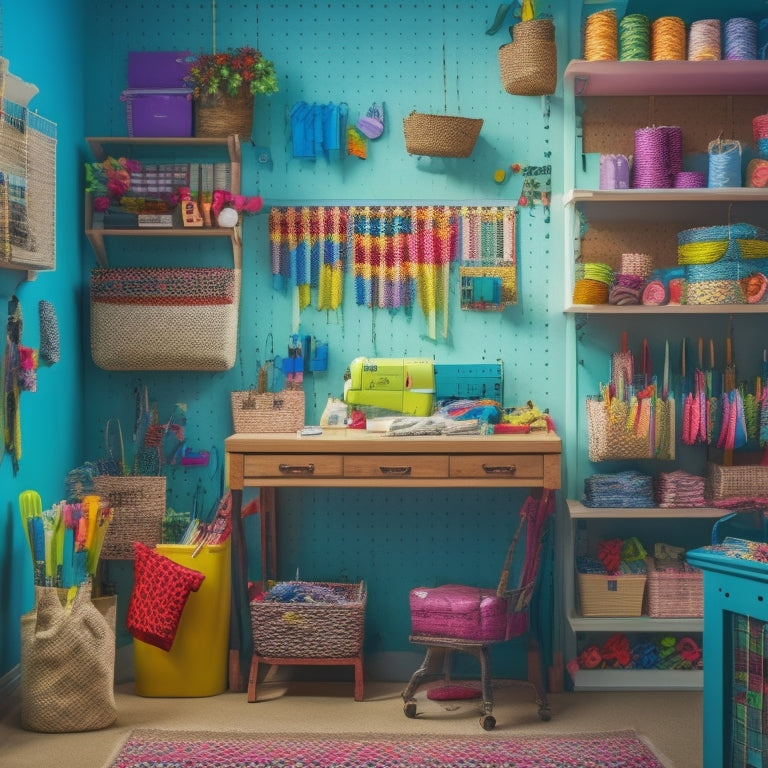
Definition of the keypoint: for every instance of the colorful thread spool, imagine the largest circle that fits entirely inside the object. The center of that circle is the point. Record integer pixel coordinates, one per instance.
(668, 39)
(740, 36)
(634, 38)
(689, 180)
(614, 172)
(601, 36)
(724, 163)
(651, 165)
(704, 40)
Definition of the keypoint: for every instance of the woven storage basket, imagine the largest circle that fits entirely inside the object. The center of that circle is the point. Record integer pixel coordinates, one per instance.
(611, 595)
(219, 115)
(533, 31)
(268, 412)
(731, 482)
(440, 135)
(610, 437)
(528, 65)
(674, 591)
(311, 630)
(173, 319)
(138, 504)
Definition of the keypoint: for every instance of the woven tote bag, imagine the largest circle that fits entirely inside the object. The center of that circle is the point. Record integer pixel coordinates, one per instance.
(68, 662)
(164, 319)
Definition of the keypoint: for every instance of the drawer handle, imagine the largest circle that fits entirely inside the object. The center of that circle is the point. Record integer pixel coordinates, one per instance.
(296, 469)
(399, 471)
(510, 469)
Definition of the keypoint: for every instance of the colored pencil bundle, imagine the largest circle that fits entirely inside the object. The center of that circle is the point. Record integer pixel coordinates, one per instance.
(64, 541)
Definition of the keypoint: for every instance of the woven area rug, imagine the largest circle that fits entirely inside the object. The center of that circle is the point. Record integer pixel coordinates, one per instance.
(186, 749)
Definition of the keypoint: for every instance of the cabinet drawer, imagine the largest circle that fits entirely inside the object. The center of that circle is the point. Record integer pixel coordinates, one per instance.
(293, 465)
(493, 466)
(395, 467)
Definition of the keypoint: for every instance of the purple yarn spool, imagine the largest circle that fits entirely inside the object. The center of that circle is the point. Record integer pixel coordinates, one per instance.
(740, 39)
(674, 137)
(651, 163)
(690, 180)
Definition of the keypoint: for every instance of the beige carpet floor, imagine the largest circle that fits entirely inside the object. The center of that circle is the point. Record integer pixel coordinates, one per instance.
(670, 721)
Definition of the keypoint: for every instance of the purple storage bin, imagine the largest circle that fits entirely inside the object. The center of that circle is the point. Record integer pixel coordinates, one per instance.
(154, 112)
(158, 69)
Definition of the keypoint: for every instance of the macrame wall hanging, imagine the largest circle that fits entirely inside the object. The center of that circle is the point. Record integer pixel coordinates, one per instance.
(488, 266)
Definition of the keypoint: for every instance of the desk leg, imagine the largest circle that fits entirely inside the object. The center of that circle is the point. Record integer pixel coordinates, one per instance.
(240, 635)
(268, 534)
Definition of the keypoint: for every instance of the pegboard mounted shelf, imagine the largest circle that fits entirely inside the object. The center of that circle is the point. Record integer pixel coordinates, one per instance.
(126, 145)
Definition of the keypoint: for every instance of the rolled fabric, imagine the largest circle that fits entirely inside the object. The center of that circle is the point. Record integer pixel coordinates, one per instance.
(654, 293)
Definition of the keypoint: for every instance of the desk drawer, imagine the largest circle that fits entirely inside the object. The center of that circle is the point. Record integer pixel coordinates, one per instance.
(293, 465)
(498, 466)
(395, 467)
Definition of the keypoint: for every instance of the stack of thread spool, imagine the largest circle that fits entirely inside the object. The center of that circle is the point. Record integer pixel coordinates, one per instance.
(757, 168)
(628, 283)
(658, 157)
(593, 284)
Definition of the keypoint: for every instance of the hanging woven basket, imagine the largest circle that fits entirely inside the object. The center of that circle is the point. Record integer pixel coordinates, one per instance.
(528, 65)
(440, 135)
(223, 115)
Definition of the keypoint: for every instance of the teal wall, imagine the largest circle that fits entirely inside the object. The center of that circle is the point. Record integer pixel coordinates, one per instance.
(413, 56)
(43, 41)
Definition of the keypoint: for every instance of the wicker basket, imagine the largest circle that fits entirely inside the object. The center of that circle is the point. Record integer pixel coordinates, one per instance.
(731, 482)
(311, 630)
(440, 135)
(674, 591)
(139, 507)
(528, 65)
(611, 595)
(219, 115)
(174, 319)
(268, 412)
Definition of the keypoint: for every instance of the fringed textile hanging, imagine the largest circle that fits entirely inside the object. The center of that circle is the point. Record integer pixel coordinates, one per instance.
(309, 248)
(401, 253)
(488, 256)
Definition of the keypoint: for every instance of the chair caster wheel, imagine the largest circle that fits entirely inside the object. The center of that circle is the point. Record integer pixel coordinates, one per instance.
(410, 709)
(488, 722)
(545, 714)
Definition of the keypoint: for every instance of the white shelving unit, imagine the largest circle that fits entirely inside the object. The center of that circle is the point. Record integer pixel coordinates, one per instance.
(642, 220)
(188, 146)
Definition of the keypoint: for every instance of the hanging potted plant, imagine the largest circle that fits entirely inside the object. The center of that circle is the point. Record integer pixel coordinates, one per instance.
(223, 86)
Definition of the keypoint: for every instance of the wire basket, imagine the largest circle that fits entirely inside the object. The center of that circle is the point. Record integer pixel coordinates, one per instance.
(219, 115)
(602, 594)
(440, 135)
(138, 503)
(674, 591)
(267, 411)
(311, 630)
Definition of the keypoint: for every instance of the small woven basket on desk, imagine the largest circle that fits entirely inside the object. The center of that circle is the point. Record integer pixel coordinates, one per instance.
(311, 630)
(138, 503)
(674, 591)
(267, 411)
(218, 115)
(440, 135)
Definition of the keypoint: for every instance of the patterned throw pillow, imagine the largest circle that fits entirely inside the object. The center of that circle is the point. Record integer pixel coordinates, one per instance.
(160, 591)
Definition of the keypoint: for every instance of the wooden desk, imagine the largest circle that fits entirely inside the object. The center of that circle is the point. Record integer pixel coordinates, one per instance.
(356, 458)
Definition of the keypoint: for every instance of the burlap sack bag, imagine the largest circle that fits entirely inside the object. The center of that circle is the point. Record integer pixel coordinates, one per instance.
(68, 662)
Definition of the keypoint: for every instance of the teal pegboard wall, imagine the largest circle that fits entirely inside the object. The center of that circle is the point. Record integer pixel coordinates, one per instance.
(429, 57)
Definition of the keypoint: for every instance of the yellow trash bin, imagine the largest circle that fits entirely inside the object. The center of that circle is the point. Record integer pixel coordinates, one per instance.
(197, 664)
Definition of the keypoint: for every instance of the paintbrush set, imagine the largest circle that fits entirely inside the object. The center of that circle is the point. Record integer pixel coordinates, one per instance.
(64, 541)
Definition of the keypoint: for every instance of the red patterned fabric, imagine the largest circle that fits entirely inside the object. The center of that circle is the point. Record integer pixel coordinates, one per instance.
(160, 591)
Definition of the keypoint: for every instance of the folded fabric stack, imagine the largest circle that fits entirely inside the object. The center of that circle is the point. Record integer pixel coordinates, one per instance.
(680, 489)
(619, 489)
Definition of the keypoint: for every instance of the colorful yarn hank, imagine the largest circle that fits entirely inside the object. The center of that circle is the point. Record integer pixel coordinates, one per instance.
(668, 39)
(600, 36)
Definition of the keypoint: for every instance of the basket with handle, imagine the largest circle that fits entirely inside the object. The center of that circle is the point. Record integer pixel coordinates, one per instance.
(267, 411)
(528, 65)
(440, 135)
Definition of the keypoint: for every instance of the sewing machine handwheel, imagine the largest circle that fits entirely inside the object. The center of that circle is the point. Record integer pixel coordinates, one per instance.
(488, 722)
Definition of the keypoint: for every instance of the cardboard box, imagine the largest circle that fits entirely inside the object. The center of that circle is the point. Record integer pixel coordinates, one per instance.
(155, 112)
